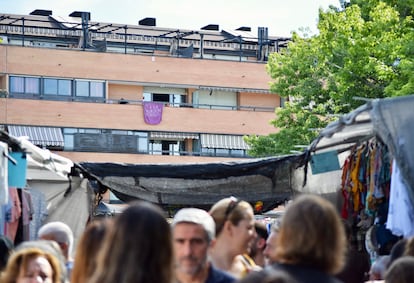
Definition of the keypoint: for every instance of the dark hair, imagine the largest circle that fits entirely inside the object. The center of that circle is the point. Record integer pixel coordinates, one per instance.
(6, 247)
(138, 248)
(261, 230)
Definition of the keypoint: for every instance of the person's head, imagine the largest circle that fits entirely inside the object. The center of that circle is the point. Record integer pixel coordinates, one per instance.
(6, 247)
(59, 232)
(139, 237)
(379, 267)
(409, 247)
(270, 249)
(51, 247)
(259, 243)
(234, 219)
(87, 249)
(397, 250)
(31, 265)
(401, 270)
(193, 230)
(312, 234)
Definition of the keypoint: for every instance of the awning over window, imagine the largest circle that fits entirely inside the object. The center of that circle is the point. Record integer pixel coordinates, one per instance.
(41, 136)
(172, 136)
(234, 89)
(165, 90)
(223, 141)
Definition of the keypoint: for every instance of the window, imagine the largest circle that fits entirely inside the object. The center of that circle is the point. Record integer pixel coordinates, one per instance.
(24, 85)
(89, 89)
(82, 88)
(173, 96)
(142, 141)
(105, 140)
(69, 142)
(51, 88)
(162, 147)
(161, 97)
(215, 99)
(31, 85)
(57, 87)
(97, 89)
(223, 152)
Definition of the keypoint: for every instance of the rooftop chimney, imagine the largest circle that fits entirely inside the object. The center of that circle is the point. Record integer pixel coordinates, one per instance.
(244, 29)
(78, 14)
(147, 22)
(40, 12)
(210, 27)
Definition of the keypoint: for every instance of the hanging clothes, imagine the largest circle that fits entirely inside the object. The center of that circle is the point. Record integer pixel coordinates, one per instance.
(4, 184)
(4, 187)
(27, 213)
(400, 218)
(13, 214)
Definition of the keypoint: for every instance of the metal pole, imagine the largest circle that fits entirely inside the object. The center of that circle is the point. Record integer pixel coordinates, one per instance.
(125, 42)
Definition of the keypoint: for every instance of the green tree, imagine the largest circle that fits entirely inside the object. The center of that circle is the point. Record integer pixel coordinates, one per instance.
(363, 51)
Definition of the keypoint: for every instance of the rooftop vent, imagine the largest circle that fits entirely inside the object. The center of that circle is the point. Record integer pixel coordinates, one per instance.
(78, 14)
(210, 27)
(244, 29)
(40, 12)
(147, 22)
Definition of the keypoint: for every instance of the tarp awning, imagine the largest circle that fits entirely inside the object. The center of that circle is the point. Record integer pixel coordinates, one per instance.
(223, 141)
(41, 136)
(388, 119)
(172, 136)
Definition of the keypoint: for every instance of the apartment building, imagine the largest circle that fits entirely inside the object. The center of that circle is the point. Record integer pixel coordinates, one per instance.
(109, 92)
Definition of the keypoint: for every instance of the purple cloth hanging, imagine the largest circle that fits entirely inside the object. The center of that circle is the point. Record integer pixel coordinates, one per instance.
(153, 112)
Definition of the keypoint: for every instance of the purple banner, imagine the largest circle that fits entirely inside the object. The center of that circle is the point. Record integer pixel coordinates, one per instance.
(153, 112)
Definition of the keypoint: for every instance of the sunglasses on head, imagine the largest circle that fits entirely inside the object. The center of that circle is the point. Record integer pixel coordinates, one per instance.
(231, 206)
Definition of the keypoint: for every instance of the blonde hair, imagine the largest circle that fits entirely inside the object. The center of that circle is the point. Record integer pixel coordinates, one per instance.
(20, 259)
(231, 209)
(312, 234)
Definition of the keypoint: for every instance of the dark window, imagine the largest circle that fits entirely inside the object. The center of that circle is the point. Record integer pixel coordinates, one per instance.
(161, 97)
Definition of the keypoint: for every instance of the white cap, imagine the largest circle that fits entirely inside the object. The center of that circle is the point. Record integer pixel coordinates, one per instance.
(197, 216)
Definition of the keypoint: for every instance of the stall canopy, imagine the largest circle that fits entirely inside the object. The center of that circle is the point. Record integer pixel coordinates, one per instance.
(56, 194)
(389, 120)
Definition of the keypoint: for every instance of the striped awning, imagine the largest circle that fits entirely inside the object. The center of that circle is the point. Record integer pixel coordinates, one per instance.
(235, 89)
(223, 141)
(40, 136)
(174, 136)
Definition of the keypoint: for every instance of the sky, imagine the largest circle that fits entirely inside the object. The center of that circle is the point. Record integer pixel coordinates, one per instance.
(281, 17)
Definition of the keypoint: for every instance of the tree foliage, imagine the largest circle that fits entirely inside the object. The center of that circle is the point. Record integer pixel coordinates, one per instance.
(363, 51)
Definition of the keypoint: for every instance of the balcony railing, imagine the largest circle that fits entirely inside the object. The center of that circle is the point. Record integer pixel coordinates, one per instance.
(139, 102)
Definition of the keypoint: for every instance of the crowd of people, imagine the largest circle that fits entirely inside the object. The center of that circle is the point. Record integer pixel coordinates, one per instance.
(227, 244)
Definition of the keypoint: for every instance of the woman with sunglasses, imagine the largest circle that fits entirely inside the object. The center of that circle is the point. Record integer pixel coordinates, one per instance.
(234, 234)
